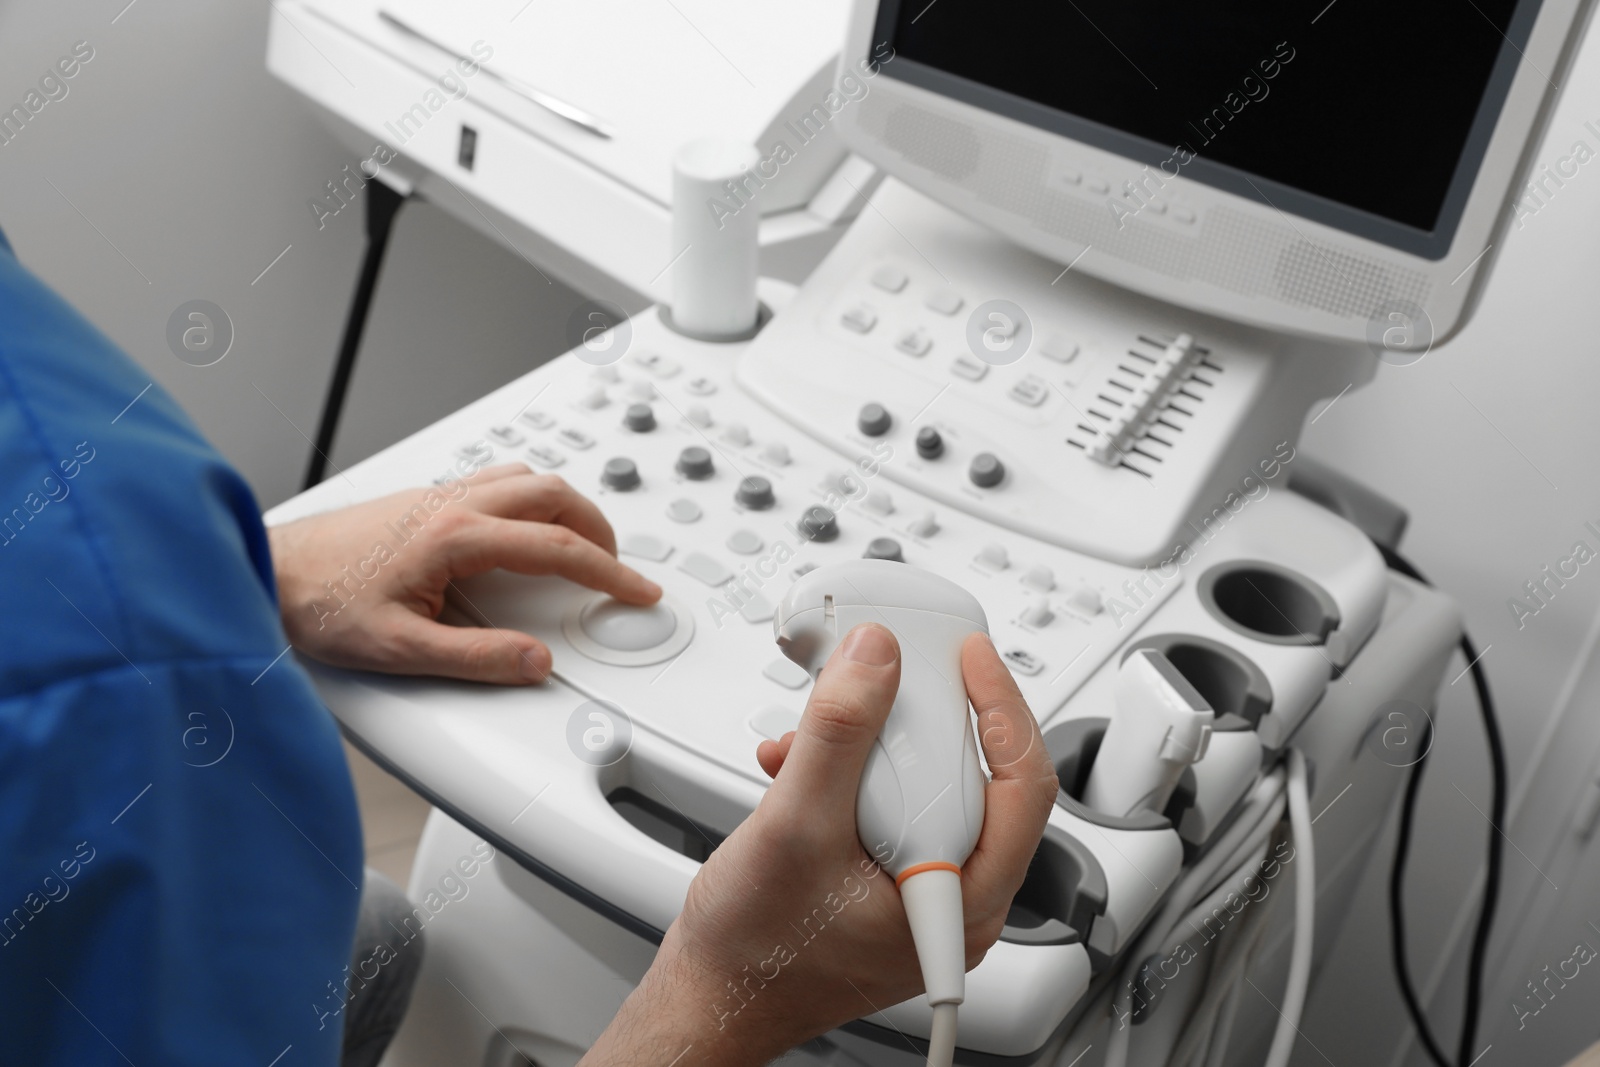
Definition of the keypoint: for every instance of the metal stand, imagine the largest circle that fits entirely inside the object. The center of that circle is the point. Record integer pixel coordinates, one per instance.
(383, 204)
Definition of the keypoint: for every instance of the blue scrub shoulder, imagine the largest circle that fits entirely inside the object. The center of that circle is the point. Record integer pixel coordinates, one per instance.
(182, 850)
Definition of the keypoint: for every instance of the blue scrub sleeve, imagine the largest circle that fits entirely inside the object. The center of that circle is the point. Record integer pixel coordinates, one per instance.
(180, 854)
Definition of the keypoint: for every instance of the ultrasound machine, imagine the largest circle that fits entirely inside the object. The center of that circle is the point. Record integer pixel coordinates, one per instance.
(1086, 271)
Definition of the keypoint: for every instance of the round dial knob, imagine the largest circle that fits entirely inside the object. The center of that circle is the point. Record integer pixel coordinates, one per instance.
(639, 418)
(930, 445)
(874, 420)
(986, 471)
(620, 473)
(755, 493)
(695, 462)
(819, 523)
(884, 548)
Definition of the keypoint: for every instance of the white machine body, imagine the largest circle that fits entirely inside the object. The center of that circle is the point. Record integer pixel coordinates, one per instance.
(699, 699)
(1161, 726)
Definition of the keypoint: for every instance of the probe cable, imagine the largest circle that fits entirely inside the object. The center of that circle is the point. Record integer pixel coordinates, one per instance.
(1263, 810)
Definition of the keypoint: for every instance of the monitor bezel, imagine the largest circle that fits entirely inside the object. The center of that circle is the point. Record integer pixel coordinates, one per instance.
(1455, 267)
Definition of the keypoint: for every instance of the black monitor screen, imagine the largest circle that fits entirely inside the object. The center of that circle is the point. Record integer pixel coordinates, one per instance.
(1368, 114)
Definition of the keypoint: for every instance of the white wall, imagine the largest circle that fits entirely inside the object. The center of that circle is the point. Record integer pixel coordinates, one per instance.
(185, 157)
(1491, 441)
(197, 167)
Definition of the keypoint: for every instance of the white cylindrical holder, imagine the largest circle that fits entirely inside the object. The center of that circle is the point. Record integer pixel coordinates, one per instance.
(716, 218)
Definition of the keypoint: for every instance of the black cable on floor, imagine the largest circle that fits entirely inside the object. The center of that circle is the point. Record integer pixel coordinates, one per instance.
(1397, 932)
(1477, 958)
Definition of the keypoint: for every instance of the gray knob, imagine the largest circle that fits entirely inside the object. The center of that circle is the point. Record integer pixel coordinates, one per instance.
(874, 420)
(819, 523)
(755, 493)
(986, 471)
(639, 418)
(884, 548)
(620, 473)
(695, 463)
(929, 444)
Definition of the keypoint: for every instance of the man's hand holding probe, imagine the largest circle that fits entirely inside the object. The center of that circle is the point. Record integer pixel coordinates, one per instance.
(791, 929)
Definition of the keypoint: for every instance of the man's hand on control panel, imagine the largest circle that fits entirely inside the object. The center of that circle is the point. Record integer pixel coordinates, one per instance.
(363, 586)
(791, 929)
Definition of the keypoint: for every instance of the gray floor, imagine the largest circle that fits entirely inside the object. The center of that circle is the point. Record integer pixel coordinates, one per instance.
(391, 817)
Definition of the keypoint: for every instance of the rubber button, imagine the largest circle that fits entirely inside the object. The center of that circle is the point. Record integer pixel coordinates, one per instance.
(645, 546)
(639, 418)
(695, 463)
(787, 673)
(620, 473)
(755, 493)
(745, 542)
(986, 471)
(874, 420)
(819, 523)
(884, 548)
(683, 510)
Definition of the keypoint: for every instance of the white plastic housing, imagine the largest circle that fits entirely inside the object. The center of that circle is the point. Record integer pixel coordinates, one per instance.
(714, 245)
(1161, 726)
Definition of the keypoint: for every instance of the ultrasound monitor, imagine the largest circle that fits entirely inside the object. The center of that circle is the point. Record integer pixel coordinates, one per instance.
(1312, 167)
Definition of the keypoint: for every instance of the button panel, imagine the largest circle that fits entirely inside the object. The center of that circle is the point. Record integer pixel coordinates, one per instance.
(724, 504)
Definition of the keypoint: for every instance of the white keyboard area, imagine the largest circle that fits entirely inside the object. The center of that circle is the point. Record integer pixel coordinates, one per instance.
(724, 505)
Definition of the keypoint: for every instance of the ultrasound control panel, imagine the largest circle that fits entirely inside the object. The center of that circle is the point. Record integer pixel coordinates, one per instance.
(724, 505)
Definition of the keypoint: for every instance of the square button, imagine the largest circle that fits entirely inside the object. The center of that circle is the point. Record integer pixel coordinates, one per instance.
(773, 721)
(757, 609)
(657, 364)
(944, 302)
(538, 420)
(859, 319)
(1030, 391)
(1059, 349)
(915, 342)
(787, 673)
(509, 436)
(890, 279)
(701, 566)
(574, 438)
(645, 546)
(545, 457)
(969, 367)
